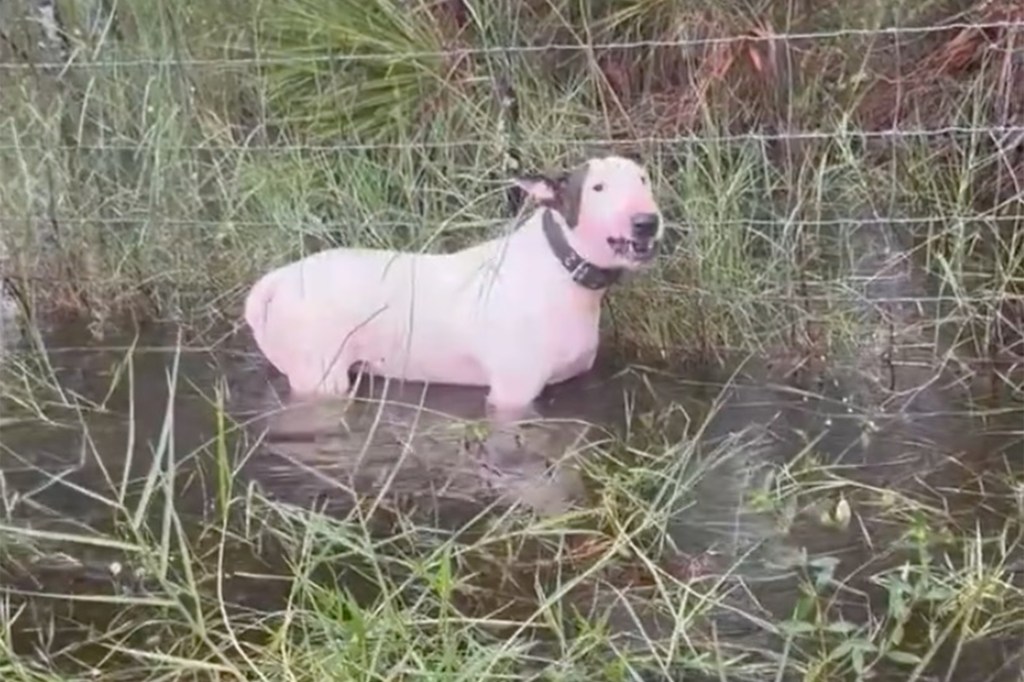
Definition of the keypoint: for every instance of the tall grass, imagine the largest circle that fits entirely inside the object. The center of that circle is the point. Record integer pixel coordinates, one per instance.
(181, 152)
(171, 152)
(154, 586)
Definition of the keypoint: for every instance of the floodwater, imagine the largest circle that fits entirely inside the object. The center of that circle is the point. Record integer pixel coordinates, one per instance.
(902, 425)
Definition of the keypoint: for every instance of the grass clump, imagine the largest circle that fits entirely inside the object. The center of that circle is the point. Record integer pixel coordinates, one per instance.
(378, 65)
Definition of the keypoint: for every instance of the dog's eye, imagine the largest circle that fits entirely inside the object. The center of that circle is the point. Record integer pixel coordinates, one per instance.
(598, 187)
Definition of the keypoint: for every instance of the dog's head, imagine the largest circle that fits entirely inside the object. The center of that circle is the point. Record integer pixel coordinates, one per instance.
(608, 205)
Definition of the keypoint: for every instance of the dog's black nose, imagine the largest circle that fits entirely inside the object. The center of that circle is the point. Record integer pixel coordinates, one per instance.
(645, 225)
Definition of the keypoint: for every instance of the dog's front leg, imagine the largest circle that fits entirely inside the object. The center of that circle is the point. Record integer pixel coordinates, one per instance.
(512, 400)
(509, 402)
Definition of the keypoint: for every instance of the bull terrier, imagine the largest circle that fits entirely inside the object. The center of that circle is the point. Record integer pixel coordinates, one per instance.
(512, 314)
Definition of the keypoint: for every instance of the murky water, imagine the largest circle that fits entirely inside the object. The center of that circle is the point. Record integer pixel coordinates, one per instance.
(904, 427)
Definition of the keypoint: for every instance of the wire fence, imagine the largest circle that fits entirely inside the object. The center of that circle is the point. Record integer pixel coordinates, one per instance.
(890, 32)
(1010, 136)
(745, 223)
(962, 203)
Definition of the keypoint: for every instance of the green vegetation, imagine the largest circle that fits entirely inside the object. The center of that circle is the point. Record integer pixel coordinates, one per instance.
(171, 152)
(152, 586)
(182, 151)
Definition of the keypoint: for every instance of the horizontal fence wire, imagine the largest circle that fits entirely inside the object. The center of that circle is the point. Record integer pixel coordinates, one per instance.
(691, 139)
(220, 349)
(753, 37)
(317, 224)
(841, 284)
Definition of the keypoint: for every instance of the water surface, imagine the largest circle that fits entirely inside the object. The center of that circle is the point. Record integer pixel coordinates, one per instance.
(773, 452)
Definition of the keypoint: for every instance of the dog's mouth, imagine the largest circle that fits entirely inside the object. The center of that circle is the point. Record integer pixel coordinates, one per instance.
(638, 250)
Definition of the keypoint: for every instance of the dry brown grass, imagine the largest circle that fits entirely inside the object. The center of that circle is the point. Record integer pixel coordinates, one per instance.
(977, 68)
(922, 92)
(668, 91)
(768, 83)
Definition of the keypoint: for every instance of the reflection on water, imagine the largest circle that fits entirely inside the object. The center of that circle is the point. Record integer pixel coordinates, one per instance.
(407, 441)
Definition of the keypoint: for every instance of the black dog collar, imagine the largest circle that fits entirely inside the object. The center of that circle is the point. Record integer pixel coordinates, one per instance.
(583, 273)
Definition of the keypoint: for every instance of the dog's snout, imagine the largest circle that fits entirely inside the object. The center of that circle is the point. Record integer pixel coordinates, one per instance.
(645, 225)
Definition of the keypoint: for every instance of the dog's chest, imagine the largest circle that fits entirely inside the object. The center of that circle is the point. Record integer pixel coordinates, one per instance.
(572, 346)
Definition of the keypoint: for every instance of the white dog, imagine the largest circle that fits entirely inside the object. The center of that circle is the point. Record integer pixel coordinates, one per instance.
(514, 314)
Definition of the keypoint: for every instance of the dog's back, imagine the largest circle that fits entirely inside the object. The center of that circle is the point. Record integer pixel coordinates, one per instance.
(372, 304)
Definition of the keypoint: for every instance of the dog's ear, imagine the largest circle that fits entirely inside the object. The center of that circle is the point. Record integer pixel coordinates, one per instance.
(543, 189)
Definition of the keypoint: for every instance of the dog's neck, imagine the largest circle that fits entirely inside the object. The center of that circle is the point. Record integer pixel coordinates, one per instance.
(583, 272)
